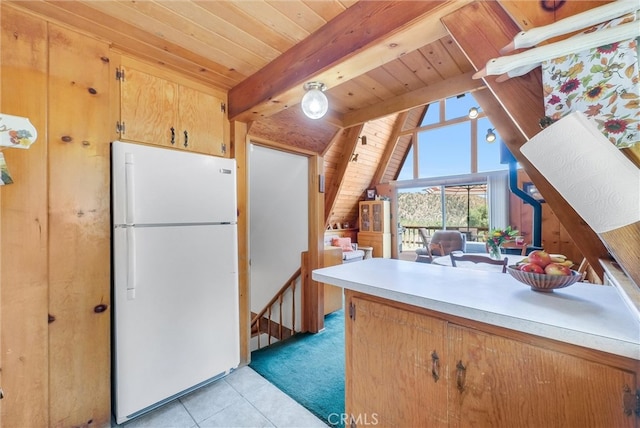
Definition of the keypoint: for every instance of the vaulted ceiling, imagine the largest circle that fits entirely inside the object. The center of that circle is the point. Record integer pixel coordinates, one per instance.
(382, 62)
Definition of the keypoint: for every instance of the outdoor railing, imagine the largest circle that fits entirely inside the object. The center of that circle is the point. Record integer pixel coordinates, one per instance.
(411, 238)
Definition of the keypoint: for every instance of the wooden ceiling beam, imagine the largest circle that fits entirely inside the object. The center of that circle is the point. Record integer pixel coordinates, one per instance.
(363, 37)
(447, 88)
(521, 104)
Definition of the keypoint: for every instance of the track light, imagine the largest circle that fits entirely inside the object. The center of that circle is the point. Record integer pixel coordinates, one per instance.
(491, 136)
(314, 102)
(354, 157)
(363, 140)
(473, 112)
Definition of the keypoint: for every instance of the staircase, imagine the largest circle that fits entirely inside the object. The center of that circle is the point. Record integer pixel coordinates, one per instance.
(270, 319)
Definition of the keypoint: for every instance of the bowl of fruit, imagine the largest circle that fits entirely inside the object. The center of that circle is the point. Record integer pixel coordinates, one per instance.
(545, 272)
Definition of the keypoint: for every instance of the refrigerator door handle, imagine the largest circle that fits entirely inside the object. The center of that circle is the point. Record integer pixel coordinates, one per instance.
(129, 188)
(131, 262)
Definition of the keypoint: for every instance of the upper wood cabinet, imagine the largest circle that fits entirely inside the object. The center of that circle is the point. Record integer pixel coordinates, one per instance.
(374, 216)
(170, 112)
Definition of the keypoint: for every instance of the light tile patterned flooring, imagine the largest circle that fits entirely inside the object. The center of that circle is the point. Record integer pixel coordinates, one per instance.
(241, 399)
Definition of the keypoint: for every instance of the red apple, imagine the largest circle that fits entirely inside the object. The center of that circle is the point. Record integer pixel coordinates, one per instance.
(531, 267)
(539, 257)
(557, 269)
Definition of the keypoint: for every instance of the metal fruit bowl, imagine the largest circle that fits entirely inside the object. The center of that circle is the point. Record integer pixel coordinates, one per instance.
(544, 282)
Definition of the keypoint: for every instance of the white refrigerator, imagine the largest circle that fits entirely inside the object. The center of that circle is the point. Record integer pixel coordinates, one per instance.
(175, 288)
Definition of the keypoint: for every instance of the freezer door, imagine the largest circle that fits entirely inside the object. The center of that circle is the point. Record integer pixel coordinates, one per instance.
(154, 185)
(176, 311)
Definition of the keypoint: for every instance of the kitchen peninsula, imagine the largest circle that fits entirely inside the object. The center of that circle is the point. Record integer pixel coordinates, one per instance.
(433, 346)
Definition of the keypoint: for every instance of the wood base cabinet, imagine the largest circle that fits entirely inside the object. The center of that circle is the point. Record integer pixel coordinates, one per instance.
(406, 366)
(380, 242)
(393, 367)
(332, 294)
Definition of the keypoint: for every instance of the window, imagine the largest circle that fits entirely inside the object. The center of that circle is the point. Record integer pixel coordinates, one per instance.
(445, 151)
(447, 147)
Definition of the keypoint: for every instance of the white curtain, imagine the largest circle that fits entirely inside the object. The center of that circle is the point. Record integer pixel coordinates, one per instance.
(498, 194)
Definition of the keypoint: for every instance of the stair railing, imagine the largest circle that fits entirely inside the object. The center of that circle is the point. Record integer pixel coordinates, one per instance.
(265, 314)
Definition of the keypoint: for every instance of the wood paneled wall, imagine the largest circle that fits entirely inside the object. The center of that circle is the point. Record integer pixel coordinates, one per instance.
(555, 238)
(55, 228)
(79, 228)
(24, 229)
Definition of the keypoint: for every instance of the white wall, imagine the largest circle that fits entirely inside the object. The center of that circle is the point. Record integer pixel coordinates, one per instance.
(278, 222)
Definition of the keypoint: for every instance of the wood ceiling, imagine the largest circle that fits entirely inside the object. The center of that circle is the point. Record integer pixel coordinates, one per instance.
(379, 63)
(382, 61)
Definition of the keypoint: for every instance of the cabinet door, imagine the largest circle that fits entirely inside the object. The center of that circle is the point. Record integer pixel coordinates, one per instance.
(332, 294)
(390, 367)
(371, 240)
(202, 118)
(148, 108)
(377, 214)
(381, 243)
(528, 386)
(365, 217)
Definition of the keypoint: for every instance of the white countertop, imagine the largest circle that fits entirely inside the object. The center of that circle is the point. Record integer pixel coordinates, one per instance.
(592, 316)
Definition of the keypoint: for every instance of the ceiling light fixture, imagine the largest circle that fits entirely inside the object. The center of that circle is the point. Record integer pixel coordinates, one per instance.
(474, 112)
(491, 136)
(314, 103)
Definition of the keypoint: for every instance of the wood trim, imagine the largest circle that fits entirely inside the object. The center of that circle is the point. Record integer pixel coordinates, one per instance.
(515, 109)
(625, 248)
(239, 150)
(313, 304)
(280, 146)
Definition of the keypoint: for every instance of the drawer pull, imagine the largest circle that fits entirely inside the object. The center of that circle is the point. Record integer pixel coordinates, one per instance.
(461, 375)
(435, 366)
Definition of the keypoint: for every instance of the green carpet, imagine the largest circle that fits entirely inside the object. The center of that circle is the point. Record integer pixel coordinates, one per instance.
(309, 368)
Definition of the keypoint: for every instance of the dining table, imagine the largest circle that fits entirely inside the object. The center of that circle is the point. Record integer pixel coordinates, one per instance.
(446, 261)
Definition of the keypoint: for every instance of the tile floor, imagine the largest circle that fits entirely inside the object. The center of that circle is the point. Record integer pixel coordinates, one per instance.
(241, 399)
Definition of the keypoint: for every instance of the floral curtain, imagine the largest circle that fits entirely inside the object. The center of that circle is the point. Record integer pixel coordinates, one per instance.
(602, 83)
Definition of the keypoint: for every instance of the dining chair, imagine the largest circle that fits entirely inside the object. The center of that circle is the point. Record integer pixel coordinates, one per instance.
(511, 244)
(476, 258)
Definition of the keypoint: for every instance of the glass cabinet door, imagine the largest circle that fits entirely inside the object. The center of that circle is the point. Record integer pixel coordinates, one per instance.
(377, 217)
(365, 222)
